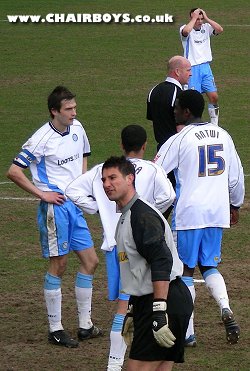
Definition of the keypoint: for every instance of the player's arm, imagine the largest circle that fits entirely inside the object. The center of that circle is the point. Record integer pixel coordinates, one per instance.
(149, 110)
(150, 242)
(234, 215)
(216, 26)
(190, 25)
(80, 191)
(164, 194)
(84, 164)
(149, 235)
(168, 154)
(16, 174)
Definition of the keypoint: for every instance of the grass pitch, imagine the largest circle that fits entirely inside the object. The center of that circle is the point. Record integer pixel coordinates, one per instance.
(111, 68)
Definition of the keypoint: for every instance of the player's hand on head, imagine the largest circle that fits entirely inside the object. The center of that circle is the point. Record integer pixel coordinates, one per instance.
(161, 331)
(53, 198)
(203, 13)
(196, 13)
(128, 326)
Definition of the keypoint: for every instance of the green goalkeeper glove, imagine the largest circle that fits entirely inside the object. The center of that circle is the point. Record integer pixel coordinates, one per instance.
(128, 326)
(161, 331)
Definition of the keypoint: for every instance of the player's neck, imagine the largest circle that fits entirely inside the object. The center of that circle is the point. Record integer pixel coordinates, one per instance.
(194, 120)
(133, 154)
(58, 125)
(123, 201)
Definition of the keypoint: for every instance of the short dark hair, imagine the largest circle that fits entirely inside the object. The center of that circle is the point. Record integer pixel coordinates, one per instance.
(193, 100)
(192, 10)
(57, 96)
(133, 137)
(124, 166)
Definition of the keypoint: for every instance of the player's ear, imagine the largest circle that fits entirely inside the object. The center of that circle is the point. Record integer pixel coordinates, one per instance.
(54, 111)
(144, 146)
(130, 179)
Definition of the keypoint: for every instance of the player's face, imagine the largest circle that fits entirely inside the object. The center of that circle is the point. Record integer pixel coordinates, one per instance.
(65, 116)
(199, 22)
(115, 184)
(185, 73)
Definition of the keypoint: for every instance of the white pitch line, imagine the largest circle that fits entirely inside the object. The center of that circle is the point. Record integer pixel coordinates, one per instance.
(19, 198)
(198, 281)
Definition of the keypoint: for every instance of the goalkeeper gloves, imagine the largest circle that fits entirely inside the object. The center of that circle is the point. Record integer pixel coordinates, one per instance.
(128, 326)
(161, 331)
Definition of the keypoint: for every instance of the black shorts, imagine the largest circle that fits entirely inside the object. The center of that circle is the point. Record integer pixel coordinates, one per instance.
(179, 308)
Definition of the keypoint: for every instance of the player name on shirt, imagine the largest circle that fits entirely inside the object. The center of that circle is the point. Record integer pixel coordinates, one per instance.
(207, 133)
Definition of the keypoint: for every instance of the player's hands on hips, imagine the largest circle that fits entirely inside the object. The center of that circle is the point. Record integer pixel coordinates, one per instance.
(53, 198)
(161, 331)
(128, 326)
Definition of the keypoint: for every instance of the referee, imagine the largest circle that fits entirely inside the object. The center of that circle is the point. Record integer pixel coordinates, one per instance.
(161, 99)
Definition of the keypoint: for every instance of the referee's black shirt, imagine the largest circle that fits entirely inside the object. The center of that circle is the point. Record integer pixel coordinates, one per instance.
(160, 110)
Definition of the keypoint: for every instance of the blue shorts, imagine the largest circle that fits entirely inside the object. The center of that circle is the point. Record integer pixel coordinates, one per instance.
(62, 229)
(202, 79)
(113, 275)
(201, 246)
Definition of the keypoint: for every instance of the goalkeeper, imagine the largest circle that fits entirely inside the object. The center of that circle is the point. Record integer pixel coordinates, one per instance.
(160, 304)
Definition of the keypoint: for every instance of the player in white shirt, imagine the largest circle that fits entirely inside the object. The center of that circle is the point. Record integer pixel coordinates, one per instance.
(209, 192)
(56, 154)
(195, 38)
(88, 194)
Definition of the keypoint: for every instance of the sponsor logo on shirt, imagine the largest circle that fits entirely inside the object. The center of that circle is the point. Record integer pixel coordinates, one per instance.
(66, 160)
(123, 257)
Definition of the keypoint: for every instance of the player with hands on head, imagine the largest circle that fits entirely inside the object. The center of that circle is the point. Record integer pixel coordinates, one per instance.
(56, 154)
(195, 38)
(210, 181)
(160, 304)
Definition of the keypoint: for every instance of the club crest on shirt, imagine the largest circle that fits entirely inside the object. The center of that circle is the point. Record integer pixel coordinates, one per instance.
(75, 137)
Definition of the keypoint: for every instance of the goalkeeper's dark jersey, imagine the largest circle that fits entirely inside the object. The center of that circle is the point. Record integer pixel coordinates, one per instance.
(146, 249)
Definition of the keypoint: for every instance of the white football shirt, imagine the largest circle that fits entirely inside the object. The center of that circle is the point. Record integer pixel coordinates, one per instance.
(196, 45)
(209, 176)
(151, 184)
(54, 158)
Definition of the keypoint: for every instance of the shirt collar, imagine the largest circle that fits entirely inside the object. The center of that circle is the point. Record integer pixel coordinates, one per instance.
(173, 81)
(130, 203)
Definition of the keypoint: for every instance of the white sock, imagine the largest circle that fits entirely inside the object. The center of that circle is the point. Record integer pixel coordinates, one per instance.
(217, 287)
(213, 111)
(53, 299)
(83, 291)
(190, 285)
(117, 345)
